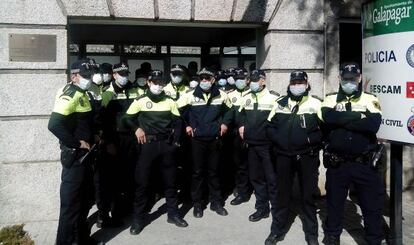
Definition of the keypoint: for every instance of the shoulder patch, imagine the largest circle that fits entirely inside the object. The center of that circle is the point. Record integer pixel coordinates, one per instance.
(316, 97)
(274, 93)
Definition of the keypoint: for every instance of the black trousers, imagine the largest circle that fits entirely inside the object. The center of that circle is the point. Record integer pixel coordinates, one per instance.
(104, 182)
(262, 176)
(152, 152)
(370, 191)
(242, 181)
(206, 158)
(76, 199)
(306, 166)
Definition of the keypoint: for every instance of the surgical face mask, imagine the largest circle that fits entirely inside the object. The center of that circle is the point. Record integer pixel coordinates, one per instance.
(97, 79)
(222, 82)
(193, 84)
(122, 81)
(231, 81)
(156, 89)
(240, 84)
(349, 86)
(107, 77)
(298, 89)
(176, 79)
(141, 81)
(84, 83)
(254, 86)
(205, 86)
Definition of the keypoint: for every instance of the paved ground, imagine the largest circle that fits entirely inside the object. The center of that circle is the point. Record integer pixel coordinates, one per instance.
(233, 229)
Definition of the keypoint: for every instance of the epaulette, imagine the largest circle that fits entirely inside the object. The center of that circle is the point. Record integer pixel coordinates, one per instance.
(333, 93)
(370, 94)
(141, 96)
(69, 90)
(317, 97)
(274, 93)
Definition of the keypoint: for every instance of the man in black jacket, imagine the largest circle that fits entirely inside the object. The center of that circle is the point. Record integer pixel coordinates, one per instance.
(295, 133)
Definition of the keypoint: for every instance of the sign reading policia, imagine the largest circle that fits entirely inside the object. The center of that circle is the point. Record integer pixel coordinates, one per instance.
(388, 64)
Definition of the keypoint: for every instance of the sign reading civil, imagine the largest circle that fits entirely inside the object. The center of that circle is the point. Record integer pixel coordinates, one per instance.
(388, 64)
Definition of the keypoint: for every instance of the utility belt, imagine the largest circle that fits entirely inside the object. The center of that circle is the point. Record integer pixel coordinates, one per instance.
(75, 156)
(370, 158)
(157, 137)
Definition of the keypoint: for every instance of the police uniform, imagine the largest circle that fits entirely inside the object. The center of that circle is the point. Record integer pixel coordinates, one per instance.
(71, 122)
(176, 90)
(254, 112)
(205, 112)
(294, 130)
(352, 121)
(115, 102)
(158, 117)
(243, 188)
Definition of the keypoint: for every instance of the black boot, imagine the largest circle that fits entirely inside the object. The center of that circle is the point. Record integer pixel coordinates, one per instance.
(219, 209)
(178, 221)
(258, 215)
(239, 200)
(198, 211)
(273, 239)
(136, 228)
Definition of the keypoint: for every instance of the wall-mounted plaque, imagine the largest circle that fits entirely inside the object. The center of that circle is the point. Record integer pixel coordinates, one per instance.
(32, 48)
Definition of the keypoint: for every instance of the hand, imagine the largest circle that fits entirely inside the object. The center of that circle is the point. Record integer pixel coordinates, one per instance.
(84, 145)
(189, 131)
(241, 132)
(223, 129)
(140, 134)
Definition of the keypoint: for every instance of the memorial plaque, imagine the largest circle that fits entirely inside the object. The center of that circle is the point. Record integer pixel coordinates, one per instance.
(32, 48)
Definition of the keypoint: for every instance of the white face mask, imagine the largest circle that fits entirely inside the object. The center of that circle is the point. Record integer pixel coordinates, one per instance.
(193, 84)
(222, 82)
(240, 84)
(298, 89)
(84, 83)
(231, 80)
(107, 77)
(156, 89)
(141, 81)
(349, 86)
(205, 86)
(122, 81)
(254, 86)
(176, 79)
(97, 78)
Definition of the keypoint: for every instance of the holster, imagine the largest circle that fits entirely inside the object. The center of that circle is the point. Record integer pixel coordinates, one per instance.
(70, 156)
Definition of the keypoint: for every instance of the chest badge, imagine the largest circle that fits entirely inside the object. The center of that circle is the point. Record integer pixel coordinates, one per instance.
(149, 104)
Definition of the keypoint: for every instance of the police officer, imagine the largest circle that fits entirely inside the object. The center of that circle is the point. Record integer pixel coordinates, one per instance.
(107, 75)
(155, 119)
(230, 77)
(119, 141)
(254, 112)
(141, 81)
(352, 118)
(221, 79)
(243, 187)
(176, 88)
(207, 112)
(296, 135)
(71, 122)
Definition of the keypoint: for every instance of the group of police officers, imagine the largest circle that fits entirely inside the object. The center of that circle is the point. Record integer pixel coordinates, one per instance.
(123, 143)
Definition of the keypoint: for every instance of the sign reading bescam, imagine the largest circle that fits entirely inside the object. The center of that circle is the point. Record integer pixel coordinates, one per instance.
(388, 64)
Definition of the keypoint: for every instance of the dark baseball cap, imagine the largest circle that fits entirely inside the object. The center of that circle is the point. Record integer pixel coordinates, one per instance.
(350, 70)
(156, 76)
(121, 68)
(84, 67)
(240, 73)
(298, 76)
(106, 68)
(255, 75)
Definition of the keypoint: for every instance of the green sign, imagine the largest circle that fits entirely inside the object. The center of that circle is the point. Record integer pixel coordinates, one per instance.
(388, 16)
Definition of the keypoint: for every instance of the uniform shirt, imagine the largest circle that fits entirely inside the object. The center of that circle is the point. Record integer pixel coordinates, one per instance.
(351, 122)
(115, 103)
(205, 112)
(176, 92)
(254, 111)
(294, 125)
(236, 98)
(71, 118)
(155, 115)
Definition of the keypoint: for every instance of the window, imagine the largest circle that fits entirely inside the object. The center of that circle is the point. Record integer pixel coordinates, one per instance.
(230, 50)
(248, 50)
(100, 48)
(140, 49)
(185, 50)
(215, 50)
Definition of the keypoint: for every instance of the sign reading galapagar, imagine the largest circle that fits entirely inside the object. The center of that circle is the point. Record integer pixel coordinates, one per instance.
(388, 64)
